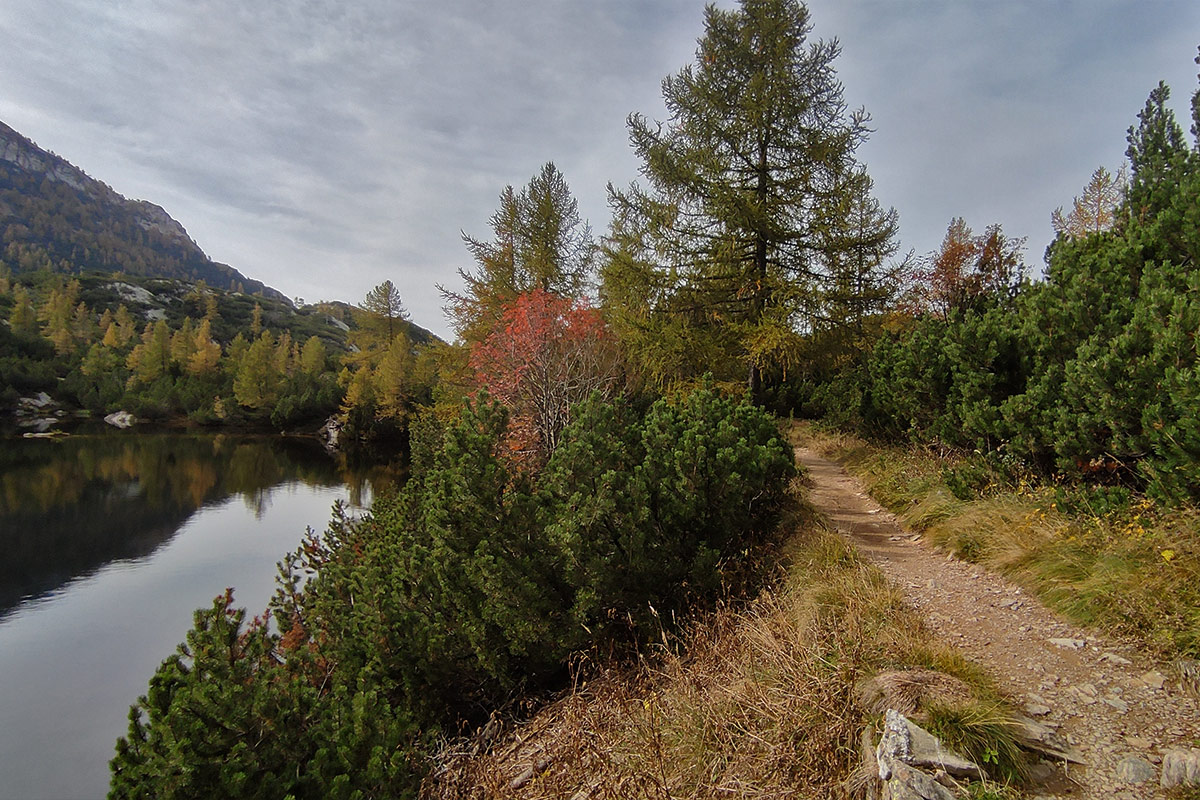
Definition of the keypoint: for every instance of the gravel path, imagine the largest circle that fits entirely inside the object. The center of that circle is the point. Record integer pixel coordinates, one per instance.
(1118, 709)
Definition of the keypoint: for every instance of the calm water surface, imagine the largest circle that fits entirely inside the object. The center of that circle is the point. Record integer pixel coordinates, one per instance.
(108, 544)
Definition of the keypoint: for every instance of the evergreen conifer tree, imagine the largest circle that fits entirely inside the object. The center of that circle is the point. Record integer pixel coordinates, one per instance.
(1156, 152)
(744, 221)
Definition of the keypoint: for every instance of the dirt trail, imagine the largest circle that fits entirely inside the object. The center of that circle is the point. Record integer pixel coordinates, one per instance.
(1119, 710)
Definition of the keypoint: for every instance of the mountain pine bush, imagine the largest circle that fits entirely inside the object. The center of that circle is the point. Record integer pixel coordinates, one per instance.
(470, 583)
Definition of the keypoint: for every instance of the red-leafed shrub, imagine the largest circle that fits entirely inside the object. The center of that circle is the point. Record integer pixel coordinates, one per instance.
(547, 354)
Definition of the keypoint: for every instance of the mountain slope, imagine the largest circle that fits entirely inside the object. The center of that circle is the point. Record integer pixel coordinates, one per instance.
(54, 216)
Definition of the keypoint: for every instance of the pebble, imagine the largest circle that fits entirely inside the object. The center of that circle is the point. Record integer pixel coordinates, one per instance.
(1117, 703)
(1042, 772)
(1181, 768)
(1154, 680)
(1072, 644)
(1113, 658)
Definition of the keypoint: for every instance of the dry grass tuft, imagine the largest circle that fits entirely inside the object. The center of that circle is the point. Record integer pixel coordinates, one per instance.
(759, 702)
(912, 691)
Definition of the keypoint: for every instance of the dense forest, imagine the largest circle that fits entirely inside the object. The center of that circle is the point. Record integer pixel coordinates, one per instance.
(1091, 371)
(596, 454)
(193, 353)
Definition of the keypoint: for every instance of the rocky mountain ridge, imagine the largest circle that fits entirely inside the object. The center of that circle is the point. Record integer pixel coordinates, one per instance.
(54, 215)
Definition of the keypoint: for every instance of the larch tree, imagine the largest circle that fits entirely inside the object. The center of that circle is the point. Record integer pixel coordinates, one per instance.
(256, 384)
(967, 269)
(22, 316)
(1094, 211)
(312, 357)
(205, 355)
(861, 280)
(183, 343)
(58, 313)
(742, 222)
(126, 327)
(256, 321)
(384, 304)
(539, 243)
(393, 379)
(151, 359)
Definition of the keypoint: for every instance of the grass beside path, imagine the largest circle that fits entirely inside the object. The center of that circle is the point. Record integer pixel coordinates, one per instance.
(1101, 555)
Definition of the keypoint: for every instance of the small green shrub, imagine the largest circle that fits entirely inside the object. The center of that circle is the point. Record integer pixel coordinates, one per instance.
(1093, 501)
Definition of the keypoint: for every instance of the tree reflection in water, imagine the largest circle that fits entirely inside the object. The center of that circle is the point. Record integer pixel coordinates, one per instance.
(70, 506)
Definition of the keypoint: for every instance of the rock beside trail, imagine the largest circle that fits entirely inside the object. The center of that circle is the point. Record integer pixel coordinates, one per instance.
(913, 764)
(907, 783)
(1135, 770)
(911, 744)
(121, 419)
(1069, 644)
(1043, 740)
(1180, 768)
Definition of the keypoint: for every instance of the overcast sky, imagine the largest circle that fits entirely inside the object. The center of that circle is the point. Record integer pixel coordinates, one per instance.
(324, 146)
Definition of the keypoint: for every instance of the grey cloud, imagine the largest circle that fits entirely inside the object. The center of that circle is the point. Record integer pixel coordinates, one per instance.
(325, 145)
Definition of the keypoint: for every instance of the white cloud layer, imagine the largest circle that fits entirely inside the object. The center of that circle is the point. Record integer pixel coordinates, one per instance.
(323, 146)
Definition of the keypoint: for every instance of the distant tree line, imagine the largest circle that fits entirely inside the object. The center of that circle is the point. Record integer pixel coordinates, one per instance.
(231, 364)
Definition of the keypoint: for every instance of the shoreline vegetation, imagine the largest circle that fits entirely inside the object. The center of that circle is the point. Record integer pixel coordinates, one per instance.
(473, 583)
(597, 475)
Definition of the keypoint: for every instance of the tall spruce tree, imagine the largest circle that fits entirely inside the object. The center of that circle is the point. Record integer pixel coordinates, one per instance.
(743, 224)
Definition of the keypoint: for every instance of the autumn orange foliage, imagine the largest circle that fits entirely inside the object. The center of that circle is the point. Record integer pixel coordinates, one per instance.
(546, 354)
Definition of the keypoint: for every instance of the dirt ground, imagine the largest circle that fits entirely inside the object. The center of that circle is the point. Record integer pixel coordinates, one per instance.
(1118, 709)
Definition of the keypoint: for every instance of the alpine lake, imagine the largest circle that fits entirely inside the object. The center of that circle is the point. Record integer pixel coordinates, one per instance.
(109, 542)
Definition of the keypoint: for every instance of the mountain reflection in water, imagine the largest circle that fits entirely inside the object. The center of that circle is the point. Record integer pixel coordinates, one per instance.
(70, 506)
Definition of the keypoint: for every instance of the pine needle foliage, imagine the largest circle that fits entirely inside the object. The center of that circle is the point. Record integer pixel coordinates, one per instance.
(475, 582)
(756, 222)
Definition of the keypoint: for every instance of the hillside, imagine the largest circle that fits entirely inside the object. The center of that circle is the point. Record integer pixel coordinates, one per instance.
(53, 216)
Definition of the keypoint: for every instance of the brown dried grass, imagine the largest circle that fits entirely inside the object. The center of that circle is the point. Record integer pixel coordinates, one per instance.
(757, 702)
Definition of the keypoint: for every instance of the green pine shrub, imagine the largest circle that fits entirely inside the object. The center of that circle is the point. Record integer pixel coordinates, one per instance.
(474, 582)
